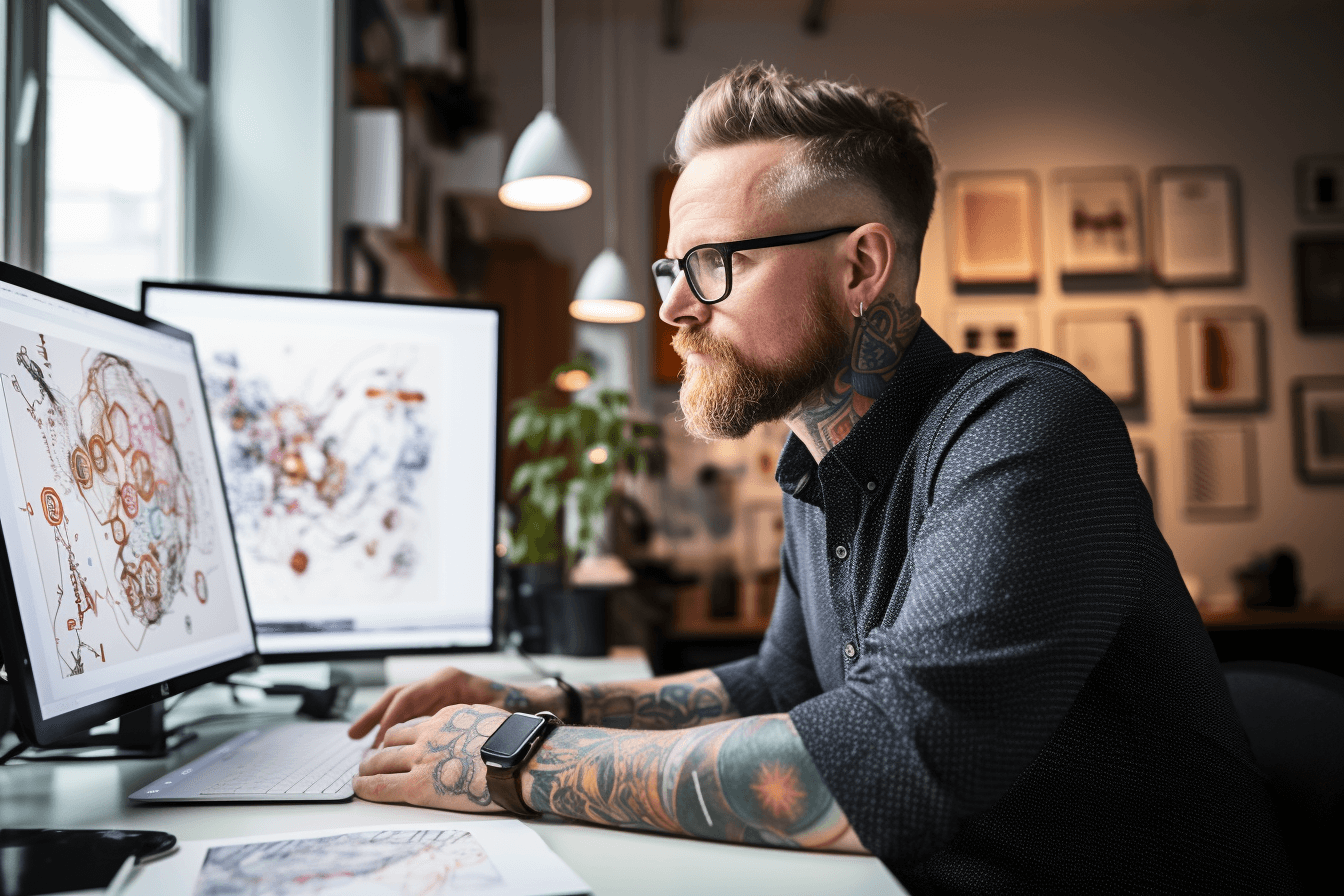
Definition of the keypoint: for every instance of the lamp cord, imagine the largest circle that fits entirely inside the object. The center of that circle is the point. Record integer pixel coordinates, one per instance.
(609, 120)
(548, 55)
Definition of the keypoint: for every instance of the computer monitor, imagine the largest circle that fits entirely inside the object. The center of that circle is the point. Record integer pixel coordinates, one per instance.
(119, 583)
(358, 438)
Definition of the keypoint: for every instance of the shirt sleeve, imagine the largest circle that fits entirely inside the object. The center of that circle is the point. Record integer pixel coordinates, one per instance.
(1024, 561)
(780, 675)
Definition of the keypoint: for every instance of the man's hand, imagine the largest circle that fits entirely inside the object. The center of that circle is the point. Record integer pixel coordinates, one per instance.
(447, 687)
(433, 762)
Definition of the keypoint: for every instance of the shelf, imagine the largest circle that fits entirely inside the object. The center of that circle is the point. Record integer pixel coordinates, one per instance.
(1241, 617)
(755, 601)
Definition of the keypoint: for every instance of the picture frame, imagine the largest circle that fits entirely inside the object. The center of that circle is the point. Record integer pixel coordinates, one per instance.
(1145, 458)
(1320, 188)
(1222, 359)
(994, 228)
(1221, 477)
(1098, 222)
(1106, 346)
(1196, 226)
(1318, 268)
(987, 328)
(1318, 429)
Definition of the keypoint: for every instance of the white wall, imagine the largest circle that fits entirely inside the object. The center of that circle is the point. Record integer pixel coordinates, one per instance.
(266, 214)
(1255, 85)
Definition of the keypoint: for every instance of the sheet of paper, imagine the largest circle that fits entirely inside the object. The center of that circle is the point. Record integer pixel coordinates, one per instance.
(490, 858)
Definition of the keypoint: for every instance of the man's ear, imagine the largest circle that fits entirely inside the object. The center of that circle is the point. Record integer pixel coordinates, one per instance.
(869, 261)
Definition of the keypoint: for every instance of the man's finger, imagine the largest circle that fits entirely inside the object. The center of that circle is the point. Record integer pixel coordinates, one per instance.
(402, 707)
(389, 760)
(364, 724)
(382, 788)
(404, 732)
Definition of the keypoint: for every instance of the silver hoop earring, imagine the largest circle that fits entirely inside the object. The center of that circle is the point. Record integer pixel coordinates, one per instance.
(860, 311)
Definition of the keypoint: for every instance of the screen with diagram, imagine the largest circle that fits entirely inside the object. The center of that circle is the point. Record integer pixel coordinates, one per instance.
(358, 446)
(114, 516)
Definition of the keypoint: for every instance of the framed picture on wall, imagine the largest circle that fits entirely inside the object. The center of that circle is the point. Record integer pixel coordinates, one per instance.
(1145, 456)
(1222, 359)
(1096, 221)
(1107, 348)
(1196, 226)
(1318, 262)
(994, 228)
(1320, 188)
(1318, 428)
(987, 328)
(1220, 472)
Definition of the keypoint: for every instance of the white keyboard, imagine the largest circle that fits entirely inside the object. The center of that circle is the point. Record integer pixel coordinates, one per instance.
(298, 762)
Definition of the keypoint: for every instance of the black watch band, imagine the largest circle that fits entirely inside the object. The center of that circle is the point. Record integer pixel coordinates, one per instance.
(505, 783)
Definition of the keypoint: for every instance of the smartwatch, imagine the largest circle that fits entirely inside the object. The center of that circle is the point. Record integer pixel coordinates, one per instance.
(508, 750)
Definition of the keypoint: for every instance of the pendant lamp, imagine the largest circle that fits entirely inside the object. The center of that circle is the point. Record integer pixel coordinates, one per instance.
(544, 172)
(604, 295)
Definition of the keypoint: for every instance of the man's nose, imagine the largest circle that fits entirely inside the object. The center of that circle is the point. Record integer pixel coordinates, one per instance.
(681, 308)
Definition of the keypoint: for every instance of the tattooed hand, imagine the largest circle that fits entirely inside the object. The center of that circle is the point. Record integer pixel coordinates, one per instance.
(448, 687)
(433, 762)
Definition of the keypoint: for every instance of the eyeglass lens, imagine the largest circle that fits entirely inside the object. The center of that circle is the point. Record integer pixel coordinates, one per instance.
(707, 272)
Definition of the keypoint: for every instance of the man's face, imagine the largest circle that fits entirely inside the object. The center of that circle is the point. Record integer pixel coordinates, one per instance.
(780, 335)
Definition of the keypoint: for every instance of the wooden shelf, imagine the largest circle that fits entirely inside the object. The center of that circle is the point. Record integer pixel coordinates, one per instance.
(1270, 618)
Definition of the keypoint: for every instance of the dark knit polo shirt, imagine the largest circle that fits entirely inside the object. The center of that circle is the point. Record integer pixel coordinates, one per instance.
(989, 653)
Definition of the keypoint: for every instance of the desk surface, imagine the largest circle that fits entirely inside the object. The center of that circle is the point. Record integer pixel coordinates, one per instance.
(93, 795)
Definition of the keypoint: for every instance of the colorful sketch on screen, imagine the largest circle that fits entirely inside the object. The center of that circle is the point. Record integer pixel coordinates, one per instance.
(414, 863)
(109, 464)
(327, 460)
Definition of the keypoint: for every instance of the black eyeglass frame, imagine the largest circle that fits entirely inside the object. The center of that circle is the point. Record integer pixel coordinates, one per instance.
(726, 251)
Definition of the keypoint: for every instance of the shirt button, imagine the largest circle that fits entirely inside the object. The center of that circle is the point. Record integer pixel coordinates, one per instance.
(850, 649)
(841, 551)
(872, 486)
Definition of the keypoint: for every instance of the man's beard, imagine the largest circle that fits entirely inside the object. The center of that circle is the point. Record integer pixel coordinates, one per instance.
(725, 400)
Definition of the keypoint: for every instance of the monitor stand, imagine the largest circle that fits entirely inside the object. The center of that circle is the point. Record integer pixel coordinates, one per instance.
(140, 734)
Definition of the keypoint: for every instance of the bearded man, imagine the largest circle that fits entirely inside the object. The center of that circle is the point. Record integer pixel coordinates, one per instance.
(983, 665)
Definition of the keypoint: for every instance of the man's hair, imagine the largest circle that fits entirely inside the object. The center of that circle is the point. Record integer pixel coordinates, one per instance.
(846, 134)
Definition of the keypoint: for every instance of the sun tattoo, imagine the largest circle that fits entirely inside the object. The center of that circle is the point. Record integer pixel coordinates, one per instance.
(777, 788)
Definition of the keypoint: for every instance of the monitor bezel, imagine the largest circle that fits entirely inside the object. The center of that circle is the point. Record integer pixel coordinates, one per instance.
(330, 655)
(31, 726)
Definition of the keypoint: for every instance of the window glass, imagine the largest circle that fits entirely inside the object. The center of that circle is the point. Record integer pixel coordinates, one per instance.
(158, 22)
(114, 171)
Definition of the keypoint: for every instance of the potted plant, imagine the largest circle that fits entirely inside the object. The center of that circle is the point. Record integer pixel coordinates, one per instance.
(577, 450)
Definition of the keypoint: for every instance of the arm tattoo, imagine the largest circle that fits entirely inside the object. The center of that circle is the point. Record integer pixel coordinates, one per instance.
(680, 701)
(744, 781)
(459, 740)
(879, 341)
(514, 699)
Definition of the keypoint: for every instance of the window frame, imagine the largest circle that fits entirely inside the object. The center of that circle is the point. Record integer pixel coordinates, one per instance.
(184, 89)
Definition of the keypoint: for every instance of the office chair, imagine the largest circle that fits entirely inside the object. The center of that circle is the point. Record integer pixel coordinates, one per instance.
(1294, 718)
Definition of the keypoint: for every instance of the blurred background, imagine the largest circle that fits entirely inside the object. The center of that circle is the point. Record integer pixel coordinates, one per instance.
(1149, 188)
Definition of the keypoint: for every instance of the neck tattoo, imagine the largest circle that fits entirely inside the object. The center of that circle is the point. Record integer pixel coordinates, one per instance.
(880, 337)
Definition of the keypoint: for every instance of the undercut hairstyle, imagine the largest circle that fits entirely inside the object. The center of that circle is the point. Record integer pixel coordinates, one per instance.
(846, 135)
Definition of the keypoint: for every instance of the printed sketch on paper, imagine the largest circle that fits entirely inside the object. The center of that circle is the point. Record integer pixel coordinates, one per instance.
(404, 863)
(326, 452)
(110, 465)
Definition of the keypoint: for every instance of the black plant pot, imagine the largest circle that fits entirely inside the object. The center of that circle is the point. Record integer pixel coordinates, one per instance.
(576, 621)
(528, 586)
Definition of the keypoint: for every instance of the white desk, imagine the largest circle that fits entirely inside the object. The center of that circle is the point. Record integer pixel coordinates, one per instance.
(93, 795)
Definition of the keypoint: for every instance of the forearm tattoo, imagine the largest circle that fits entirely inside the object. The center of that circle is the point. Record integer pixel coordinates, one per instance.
(458, 773)
(681, 701)
(514, 699)
(744, 781)
(881, 336)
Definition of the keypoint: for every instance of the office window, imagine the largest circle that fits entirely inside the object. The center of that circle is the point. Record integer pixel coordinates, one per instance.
(158, 22)
(114, 165)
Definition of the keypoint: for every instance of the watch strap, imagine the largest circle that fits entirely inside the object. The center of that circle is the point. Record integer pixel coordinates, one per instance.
(506, 784)
(573, 703)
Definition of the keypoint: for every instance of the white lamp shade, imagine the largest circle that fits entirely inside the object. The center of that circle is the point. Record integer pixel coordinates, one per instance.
(375, 190)
(604, 294)
(544, 172)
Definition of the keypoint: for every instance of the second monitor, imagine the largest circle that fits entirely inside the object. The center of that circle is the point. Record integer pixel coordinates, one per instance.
(358, 439)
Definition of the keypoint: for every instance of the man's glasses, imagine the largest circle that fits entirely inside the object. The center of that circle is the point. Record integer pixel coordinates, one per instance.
(709, 266)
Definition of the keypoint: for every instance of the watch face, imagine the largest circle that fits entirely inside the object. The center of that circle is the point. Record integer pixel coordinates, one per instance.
(507, 745)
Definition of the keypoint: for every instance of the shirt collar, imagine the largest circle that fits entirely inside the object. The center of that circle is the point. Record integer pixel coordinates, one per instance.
(873, 449)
